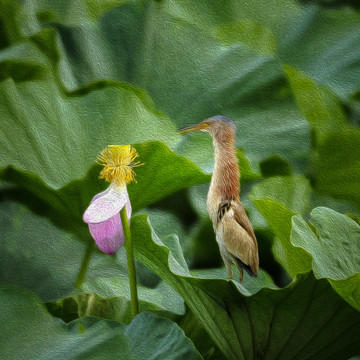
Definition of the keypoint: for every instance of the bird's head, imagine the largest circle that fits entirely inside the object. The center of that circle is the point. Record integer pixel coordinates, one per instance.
(219, 127)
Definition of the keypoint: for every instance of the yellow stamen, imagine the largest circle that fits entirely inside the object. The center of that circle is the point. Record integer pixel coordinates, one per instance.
(118, 162)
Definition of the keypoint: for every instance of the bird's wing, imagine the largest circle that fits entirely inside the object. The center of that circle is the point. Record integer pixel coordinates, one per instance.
(243, 220)
(238, 234)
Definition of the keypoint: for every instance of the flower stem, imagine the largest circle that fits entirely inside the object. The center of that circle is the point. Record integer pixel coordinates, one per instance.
(130, 262)
(84, 265)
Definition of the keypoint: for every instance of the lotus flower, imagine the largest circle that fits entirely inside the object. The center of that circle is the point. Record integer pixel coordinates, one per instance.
(103, 213)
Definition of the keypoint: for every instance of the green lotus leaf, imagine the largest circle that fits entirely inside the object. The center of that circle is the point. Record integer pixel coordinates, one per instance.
(290, 27)
(59, 138)
(79, 75)
(258, 321)
(210, 291)
(319, 105)
(291, 191)
(69, 12)
(333, 241)
(28, 324)
(91, 304)
(11, 32)
(332, 63)
(264, 91)
(198, 335)
(327, 247)
(260, 55)
(294, 260)
(17, 62)
(278, 199)
(163, 173)
(38, 256)
(336, 167)
(157, 178)
(165, 338)
(333, 245)
(252, 87)
(253, 34)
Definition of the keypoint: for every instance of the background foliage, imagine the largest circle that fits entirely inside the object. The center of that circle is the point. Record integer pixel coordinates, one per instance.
(76, 76)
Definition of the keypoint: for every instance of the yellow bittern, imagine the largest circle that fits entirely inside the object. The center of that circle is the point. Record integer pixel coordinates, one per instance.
(234, 233)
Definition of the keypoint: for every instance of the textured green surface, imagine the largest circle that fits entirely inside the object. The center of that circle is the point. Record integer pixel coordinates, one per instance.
(43, 337)
(333, 241)
(78, 75)
(259, 321)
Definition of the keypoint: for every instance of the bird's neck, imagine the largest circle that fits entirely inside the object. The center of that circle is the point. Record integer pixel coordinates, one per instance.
(225, 181)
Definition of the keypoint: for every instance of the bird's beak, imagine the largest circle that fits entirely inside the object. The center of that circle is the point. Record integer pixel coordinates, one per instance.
(196, 127)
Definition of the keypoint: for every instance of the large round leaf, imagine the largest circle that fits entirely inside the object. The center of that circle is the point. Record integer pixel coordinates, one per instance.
(333, 240)
(31, 333)
(157, 178)
(328, 246)
(258, 321)
(336, 167)
(159, 47)
(38, 256)
(228, 58)
(278, 200)
(58, 138)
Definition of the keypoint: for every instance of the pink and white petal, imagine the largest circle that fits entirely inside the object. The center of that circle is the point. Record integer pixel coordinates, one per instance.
(108, 235)
(100, 194)
(106, 204)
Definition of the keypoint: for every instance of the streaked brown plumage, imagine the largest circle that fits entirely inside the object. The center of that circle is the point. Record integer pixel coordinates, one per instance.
(234, 233)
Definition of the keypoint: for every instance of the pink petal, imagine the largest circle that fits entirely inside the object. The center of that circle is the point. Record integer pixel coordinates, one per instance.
(105, 205)
(108, 235)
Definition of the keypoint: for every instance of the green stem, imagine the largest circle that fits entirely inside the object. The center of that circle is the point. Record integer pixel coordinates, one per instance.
(130, 262)
(85, 264)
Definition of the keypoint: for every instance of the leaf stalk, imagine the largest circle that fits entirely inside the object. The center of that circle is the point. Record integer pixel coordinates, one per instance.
(85, 264)
(130, 262)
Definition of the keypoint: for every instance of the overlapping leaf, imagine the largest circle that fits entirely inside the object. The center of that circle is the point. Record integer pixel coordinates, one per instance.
(333, 242)
(133, 46)
(328, 246)
(278, 200)
(259, 322)
(38, 256)
(75, 77)
(33, 252)
(336, 168)
(157, 178)
(228, 303)
(59, 138)
(37, 335)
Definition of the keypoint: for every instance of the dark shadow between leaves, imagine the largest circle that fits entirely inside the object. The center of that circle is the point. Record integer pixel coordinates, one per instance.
(332, 4)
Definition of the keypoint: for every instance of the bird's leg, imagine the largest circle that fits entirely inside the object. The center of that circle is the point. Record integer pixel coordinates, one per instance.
(241, 275)
(229, 270)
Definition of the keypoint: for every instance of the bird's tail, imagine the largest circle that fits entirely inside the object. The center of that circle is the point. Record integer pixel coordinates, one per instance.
(246, 267)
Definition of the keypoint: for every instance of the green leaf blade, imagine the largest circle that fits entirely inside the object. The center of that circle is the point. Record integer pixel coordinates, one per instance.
(273, 328)
(333, 241)
(43, 337)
